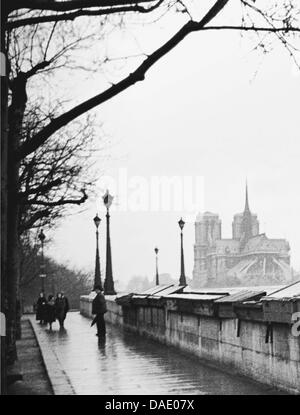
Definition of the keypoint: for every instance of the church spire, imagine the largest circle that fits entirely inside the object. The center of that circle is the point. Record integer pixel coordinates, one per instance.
(246, 233)
(247, 209)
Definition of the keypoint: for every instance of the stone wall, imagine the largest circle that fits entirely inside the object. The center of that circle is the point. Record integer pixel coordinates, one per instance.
(267, 354)
(114, 313)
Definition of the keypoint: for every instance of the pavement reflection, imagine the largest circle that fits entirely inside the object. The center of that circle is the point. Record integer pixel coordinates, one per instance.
(124, 363)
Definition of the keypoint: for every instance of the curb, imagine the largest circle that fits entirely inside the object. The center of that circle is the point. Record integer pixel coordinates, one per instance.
(58, 378)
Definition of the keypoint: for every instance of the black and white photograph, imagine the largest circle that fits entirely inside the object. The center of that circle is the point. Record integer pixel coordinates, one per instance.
(150, 201)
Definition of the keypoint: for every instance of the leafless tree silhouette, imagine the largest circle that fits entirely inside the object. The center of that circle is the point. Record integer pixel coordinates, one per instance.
(48, 29)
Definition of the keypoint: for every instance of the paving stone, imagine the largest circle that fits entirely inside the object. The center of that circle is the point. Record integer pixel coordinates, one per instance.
(35, 379)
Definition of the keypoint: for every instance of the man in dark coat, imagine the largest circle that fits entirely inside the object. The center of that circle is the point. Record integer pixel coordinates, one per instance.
(67, 306)
(41, 308)
(99, 309)
(61, 308)
(50, 314)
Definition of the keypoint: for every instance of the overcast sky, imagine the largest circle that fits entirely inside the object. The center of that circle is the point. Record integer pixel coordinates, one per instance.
(211, 109)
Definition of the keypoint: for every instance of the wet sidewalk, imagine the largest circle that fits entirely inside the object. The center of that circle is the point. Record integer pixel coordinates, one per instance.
(77, 363)
(34, 380)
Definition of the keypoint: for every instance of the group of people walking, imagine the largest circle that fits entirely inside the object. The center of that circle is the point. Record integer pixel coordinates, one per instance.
(52, 309)
(48, 311)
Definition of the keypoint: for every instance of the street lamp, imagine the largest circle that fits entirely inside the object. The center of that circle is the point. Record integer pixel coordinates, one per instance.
(156, 258)
(97, 278)
(182, 279)
(42, 238)
(109, 281)
(53, 285)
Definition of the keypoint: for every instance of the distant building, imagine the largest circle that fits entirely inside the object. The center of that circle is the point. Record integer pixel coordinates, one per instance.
(249, 258)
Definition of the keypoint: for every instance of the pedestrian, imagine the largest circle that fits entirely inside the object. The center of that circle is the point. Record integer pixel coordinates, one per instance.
(41, 307)
(61, 308)
(67, 306)
(50, 311)
(99, 309)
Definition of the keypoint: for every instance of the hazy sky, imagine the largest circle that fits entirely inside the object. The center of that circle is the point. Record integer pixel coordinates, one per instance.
(211, 108)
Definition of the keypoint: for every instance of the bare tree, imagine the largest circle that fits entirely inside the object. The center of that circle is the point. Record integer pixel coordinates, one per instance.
(58, 277)
(269, 20)
(58, 174)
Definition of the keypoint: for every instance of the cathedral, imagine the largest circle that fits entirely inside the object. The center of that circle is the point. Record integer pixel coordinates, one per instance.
(249, 258)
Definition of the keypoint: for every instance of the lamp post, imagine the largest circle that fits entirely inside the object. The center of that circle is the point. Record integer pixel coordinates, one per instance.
(109, 281)
(42, 238)
(156, 261)
(182, 279)
(53, 283)
(97, 278)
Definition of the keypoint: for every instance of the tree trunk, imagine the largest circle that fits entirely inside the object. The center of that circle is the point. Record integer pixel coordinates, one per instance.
(15, 120)
(4, 141)
(13, 255)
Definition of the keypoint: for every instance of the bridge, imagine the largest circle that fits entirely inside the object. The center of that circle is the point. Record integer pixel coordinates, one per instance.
(127, 363)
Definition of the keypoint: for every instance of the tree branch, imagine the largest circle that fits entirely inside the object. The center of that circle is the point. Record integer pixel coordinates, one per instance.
(63, 6)
(138, 75)
(254, 28)
(41, 189)
(25, 225)
(79, 13)
(61, 201)
(40, 66)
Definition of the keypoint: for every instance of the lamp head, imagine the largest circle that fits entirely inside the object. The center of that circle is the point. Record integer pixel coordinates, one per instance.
(181, 223)
(107, 199)
(97, 220)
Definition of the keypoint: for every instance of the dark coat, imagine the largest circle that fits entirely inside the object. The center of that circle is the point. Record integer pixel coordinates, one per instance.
(41, 308)
(60, 305)
(61, 308)
(50, 316)
(67, 306)
(99, 304)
